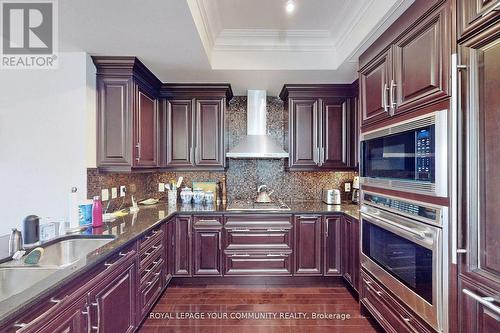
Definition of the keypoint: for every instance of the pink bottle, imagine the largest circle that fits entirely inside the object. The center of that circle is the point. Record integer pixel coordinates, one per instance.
(97, 212)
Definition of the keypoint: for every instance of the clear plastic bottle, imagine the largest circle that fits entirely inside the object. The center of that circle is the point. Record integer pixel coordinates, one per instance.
(97, 212)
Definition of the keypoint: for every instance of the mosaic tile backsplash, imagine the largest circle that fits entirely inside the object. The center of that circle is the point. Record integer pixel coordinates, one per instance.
(242, 176)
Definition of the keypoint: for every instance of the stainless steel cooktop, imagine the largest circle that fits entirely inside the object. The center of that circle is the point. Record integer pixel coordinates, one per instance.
(255, 206)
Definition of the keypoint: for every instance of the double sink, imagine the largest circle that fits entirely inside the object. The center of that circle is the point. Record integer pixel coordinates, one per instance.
(16, 276)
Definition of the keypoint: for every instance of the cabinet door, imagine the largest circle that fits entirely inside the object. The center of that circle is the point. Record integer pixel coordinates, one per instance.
(353, 136)
(146, 131)
(332, 245)
(182, 246)
(476, 317)
(180, 134)
(207, 252)
(334, 133)
(421, 63)
(304, 148)
(475, 14)
(374, 82)
(355, 264)
(210, 150)
(347, 260)
(480, 230)
(114, 107)
(114, 301)
(308, 259)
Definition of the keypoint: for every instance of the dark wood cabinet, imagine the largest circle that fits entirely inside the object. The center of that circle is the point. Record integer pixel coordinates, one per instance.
(475, 15)
(304, 148)
(308, 245)
(182, 246)
(335, 133)
(421, 63)
(180, 133)
(210, 147)
(350, 251)
(207, 247)
(479, 258)
(113, 300)
(319, 126)
(374, 81)
(128, 134)
(332, 245)
(412, 70)
(195, 126)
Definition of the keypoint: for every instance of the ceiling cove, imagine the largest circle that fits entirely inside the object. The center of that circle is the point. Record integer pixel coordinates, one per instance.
(319, 35)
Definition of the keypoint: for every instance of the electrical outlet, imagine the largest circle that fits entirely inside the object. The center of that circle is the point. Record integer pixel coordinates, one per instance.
(123, 190)
(347, 187)
(104, 194)
(114, 193)
(161, 187)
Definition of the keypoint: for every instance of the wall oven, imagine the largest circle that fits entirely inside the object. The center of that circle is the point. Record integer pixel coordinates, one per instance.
(402, 246)
(408, 156)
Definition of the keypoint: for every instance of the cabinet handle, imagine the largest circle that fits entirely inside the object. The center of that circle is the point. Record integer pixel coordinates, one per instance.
(369, 285)
(191, 154)
(306, 217)
(87, 314)
(244, 230)
(462, 67)
(461, 251)
(384, 97)
(96, 304)
(326, 227)
(485, 301)
(220, 241)
(240, 255)
(275, 230)
(276, 255)
(138, 146)
(407, 322)
(196, 155)
(392, 95)
(54, 300)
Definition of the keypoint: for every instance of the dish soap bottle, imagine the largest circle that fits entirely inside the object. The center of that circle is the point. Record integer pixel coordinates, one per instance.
(97, 212)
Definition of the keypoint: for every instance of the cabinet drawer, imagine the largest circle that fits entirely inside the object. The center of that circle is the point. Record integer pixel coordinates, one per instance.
(388, 312)
(150, 239)
(150, 294)
(154, 267)
(258, 263)
(258, 237)
(147, 256)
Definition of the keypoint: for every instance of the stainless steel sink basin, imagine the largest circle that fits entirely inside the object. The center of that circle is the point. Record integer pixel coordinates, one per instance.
(67, 252)
(14, 280)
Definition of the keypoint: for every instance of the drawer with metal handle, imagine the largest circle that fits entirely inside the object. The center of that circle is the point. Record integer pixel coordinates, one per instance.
(150, 238)
(258, 263)
(147, 256)
(156, 263)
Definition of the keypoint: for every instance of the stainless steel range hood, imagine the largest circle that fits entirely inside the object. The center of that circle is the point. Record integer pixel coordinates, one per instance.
(257, 144)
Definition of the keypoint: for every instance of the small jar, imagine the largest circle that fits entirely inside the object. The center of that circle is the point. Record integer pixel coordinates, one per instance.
(186, 195)
(198, 196)
(209, 197)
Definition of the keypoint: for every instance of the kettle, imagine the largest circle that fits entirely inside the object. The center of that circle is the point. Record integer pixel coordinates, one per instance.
(263, 195)
(15, 242)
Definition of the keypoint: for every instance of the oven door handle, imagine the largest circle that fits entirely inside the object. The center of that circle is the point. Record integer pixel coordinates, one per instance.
(418, 234)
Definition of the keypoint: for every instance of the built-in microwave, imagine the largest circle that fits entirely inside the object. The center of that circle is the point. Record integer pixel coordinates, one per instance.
(408, 156)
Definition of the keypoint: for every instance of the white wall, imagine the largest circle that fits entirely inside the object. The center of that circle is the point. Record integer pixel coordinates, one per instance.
(47, 138)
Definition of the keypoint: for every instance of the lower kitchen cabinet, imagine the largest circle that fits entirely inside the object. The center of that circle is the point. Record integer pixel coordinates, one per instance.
(308, 245)
(113, 301)
(332, 245)
(182, 246)
(350, 251)
(207, 250)
(476, 316)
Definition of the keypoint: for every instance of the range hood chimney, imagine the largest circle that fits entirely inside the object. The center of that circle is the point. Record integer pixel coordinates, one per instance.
(257, 144)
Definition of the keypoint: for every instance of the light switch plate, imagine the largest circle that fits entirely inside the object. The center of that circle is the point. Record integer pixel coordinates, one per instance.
(347, 187)
(161, 187)
(114, 193)
(123, 191)
(104, 194)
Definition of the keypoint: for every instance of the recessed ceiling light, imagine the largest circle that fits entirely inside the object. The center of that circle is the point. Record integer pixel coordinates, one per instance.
(290, 6)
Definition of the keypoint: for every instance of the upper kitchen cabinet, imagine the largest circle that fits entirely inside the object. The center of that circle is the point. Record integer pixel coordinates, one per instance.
(402, 72)
(320, 126)
(475, 15)
(194, 125)
(128, 133)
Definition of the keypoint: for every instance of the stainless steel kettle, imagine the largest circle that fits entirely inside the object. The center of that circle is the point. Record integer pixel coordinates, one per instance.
(15, 241)
(263, 195)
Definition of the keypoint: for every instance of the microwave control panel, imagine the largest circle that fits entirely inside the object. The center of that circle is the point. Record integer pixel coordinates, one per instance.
(424, 155)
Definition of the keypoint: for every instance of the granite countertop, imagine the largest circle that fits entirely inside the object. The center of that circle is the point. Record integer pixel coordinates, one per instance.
(128, 229)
